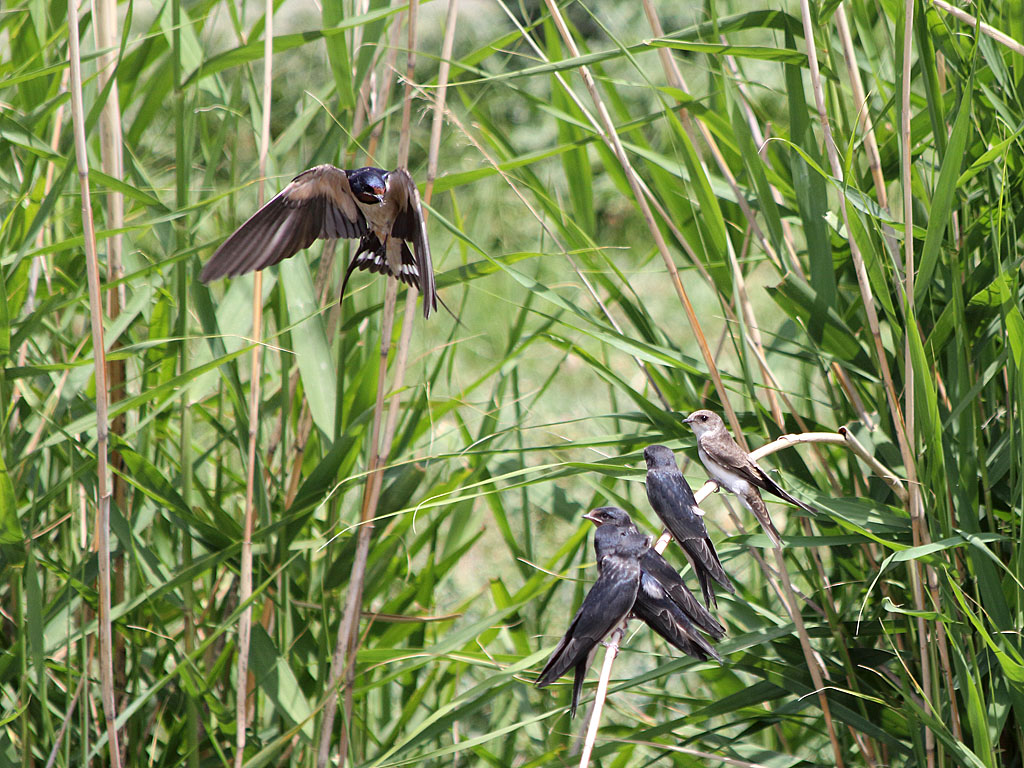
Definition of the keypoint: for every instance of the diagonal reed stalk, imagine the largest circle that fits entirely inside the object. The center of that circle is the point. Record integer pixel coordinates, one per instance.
(102, 527)
(611, 137)
(112, 164)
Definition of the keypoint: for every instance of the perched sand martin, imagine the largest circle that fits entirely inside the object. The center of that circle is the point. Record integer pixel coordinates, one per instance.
(732, 468)
(672, 498)
(660, 583)
(606, 606)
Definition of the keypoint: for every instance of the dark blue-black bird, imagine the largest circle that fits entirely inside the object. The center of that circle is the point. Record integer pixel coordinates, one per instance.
(672, 499)
(606, 606)
(381, 208)
(664, 602)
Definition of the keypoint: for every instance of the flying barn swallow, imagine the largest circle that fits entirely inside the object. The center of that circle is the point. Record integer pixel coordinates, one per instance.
(605, 607)
(658, 580)
(381, 208)
(672, 498)
(733, 469)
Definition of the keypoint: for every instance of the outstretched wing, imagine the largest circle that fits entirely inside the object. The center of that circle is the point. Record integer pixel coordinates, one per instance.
(410, 226)
(317, 204)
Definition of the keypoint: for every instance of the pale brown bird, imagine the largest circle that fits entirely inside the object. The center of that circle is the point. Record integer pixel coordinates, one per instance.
(733, 469)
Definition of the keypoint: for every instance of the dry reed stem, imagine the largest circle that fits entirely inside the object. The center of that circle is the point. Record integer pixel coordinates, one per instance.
(611, 651)
(864, 284)
(813, 660)
(914, 501)
(343, 660)
(111, 162)
(904, 436)
(986, 29)
(68, 719)
(863, 114)
(242, 682)
(102, 542)
(611, 137)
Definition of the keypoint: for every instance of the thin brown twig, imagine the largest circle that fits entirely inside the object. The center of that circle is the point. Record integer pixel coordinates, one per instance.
(102, 542)
(68, 719)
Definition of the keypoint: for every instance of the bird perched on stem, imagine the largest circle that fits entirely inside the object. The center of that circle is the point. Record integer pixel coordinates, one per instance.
(381, 208)
(664, 602)
(733, 469)
(606, 606)
(672, 498)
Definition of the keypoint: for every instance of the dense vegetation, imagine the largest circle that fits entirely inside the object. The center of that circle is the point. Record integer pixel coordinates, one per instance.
(585, 152)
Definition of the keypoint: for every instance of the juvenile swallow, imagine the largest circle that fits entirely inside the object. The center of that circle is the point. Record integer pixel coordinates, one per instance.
(733, 469)
(381, 208)
(605, 607)
(672, 498)
(655, 568)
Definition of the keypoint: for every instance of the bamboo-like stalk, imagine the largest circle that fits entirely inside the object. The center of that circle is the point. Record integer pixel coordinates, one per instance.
(904, 436)
(245, 568)
(111, 160)
(914, 500)
(343, 660)
(611, 652)
(102, 528)
(611, 137)
(867, 296)
(986, 29)
(863, 113)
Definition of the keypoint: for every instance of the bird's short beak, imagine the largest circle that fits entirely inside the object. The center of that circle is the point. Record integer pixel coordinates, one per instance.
(688, 420)
(590, 516)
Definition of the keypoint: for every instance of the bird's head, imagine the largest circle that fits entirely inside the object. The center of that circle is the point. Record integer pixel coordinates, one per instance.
(610, 515)
(368, 184)
(703, 421)
(659, 457)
